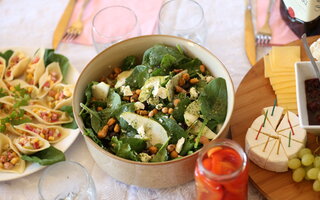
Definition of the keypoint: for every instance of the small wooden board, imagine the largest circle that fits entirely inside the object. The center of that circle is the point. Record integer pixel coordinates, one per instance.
(253, 94)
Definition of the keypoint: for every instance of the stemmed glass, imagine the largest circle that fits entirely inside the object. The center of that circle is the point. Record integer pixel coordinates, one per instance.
(113, 24)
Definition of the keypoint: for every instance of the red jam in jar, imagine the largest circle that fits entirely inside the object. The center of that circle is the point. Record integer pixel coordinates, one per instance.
(222, 172)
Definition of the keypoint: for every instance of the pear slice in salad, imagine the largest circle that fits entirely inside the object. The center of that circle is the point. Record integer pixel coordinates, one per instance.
(172, 83)
(147, 128)
(151, 87)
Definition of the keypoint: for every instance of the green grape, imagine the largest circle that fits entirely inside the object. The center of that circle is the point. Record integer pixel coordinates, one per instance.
(316, 185)
(307, 159)
(313, 173)
(303, 151)
(294, 163)
(298, 174)
(306, 169)
(316, 162)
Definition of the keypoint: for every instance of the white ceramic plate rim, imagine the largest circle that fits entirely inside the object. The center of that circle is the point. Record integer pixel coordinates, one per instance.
(63, 145)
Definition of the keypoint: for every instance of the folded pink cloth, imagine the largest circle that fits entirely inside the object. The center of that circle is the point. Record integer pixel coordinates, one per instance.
(281, 33)
(146, 11)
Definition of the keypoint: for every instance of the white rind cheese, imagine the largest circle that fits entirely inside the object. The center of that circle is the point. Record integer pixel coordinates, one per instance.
(275, 144)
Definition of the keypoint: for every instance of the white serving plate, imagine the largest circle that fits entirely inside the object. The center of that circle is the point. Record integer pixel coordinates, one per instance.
(63, 145)
(304, 71)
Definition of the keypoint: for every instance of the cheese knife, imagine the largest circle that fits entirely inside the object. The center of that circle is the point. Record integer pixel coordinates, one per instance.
(63, 24)
(250, 43)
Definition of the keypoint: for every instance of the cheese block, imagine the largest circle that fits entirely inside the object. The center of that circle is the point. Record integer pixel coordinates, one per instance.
(253, 139)
(300, 134)
(272, 148)
(273, 117)
(259, 154)
(277, 160)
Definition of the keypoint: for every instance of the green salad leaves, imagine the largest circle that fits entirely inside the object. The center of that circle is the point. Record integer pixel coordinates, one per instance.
(162, 92)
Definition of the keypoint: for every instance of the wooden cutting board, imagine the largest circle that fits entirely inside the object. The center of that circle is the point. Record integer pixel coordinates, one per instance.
(253, 94)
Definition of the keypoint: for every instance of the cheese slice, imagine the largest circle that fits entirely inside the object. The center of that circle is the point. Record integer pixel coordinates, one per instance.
(287, 101)
(286, 96)
(290, 146)
(279, 86)
(253, 139)
(267, 70)
(277, 160)
(284, 124)
(259, 154)
(288, 90)
(284, 57)
(275, 116)
(300, 134)
(281, 79)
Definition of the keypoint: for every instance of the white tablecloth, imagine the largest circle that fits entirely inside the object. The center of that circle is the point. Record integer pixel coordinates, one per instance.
(31, 23)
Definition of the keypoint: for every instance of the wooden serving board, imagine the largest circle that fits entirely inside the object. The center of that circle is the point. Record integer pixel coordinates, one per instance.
(253, 94)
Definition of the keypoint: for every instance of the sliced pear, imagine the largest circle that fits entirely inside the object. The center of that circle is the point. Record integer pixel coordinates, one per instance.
(151, 86)
(100, 91)
(207, 132)
(155, 133)
(121, 78)
(172, 83)
(192, 113)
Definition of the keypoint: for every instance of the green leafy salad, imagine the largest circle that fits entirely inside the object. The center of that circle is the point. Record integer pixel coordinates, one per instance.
(161, 108)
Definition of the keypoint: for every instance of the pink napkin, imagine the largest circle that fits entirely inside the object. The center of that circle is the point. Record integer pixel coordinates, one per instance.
(146, 11)
(281, 33)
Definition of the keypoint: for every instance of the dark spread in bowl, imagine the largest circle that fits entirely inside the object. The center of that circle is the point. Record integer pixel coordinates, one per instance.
(313, 100)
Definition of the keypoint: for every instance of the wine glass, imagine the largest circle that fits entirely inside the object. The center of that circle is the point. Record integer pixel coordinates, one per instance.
(66, 180)
(113, 24)
(183, 18)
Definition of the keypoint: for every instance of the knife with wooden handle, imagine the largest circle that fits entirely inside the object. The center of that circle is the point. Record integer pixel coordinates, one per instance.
(63, 24)
(250, 43)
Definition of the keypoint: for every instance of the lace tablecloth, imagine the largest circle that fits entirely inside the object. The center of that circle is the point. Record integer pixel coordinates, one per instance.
(32, 23)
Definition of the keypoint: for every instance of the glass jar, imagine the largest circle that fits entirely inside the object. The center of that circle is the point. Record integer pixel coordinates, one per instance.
(222, 171)
(302, 16)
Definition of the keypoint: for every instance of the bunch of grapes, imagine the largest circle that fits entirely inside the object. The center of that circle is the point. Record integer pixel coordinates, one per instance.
(306, 166)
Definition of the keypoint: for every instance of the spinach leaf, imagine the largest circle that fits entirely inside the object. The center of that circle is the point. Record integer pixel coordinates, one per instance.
(47, 156)
(6, 55)
(200, 86)
(50, 56)
(89, 132)
(192, 67)
(153, 56)
(212, 125)
(129, 63)
(165, 66)
(73, 124)
(179, 110)
(187, 146)
(162, 154)
(173, 129)
(137, 145)
(113, 99)
(214, 100)
(96, 121)
(138, 76)
(122, 149)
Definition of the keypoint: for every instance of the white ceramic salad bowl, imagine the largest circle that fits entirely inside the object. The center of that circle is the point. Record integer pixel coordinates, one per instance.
(150, 175)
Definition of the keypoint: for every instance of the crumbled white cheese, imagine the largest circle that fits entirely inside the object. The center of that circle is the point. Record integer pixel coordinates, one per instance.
(193, 93)
(315, 49)
(144, 157)
(180, 144)
(142, 133)
(209, 78)
(126, 90)
(159, 106)
(138, 106)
